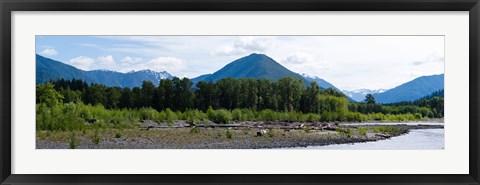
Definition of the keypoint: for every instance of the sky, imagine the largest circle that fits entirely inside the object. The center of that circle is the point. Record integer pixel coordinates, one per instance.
(348, 62)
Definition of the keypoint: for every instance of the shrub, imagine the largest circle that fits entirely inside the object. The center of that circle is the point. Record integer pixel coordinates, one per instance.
(118, 135)
(345, 132)
(72, 142)
(362, 130)
(228, 134)
(95, 137)
(170, 116)
(194, 130)
(220, 116)
(147, 113)
(270, 133)
(194, 116)
(349, 132)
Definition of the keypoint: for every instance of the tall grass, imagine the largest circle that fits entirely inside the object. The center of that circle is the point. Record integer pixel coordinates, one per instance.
(388, 129)
(78, 116)
(72, 142)
(228, 134)
(362, 130)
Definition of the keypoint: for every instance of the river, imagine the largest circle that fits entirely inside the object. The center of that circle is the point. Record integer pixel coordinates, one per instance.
(421, 139)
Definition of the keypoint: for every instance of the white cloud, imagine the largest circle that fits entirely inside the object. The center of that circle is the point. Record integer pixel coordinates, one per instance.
(49, 52)
(306, 63)
(106, 60)
(170, 64)
(433, 58)
(245, 45)
(81, 62)
(88, 63)
(131, 60)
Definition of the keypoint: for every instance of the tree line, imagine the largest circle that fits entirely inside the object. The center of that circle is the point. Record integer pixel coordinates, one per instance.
(286, 94)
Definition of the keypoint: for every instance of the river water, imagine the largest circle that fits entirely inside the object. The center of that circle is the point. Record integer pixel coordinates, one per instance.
(421, 139)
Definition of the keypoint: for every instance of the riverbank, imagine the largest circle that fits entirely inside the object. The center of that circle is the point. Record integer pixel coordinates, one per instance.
(419, 139)
(241, 135)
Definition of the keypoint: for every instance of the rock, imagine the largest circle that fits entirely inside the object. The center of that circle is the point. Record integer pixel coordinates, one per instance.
(261, 132)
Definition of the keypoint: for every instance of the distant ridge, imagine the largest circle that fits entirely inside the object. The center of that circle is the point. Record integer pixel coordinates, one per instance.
(48, 69)
(412, 90)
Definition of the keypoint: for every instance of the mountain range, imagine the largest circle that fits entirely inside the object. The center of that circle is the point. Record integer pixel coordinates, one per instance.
(251, 66)
(48, 69)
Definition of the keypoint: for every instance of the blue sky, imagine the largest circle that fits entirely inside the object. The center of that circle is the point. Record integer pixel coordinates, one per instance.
(349, 62)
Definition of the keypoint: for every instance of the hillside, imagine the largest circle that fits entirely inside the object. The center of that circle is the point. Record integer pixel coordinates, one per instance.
(412, 90)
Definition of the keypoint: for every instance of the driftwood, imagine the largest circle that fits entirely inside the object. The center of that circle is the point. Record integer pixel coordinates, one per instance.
(278, 125)
(384, 135)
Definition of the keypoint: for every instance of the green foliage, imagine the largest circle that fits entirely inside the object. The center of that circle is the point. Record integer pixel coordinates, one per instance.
(270, 133)
(74, 105)
(219, 116)
(369, 99)
(284, 95)
(46, 94)
(290, 90)
(194, 116)
(246, 131)
(95, 137)
(72, 142)
(75, 116)
(58, 117)
(387, 129)
(228, 134)
(118, 135)
(348, 132)
(362, 130)
(194, 130)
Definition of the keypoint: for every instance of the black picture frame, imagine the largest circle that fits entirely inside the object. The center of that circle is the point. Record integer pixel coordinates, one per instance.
(8, 6)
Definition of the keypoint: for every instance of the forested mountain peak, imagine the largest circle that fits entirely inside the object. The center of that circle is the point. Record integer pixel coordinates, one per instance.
(253, 66)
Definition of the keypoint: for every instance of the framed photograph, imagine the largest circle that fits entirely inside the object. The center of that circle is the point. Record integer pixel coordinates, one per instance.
(239, 92)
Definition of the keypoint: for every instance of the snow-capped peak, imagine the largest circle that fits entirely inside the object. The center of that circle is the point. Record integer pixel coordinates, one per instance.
(157, 75)
(359, 94)
(309, 76)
